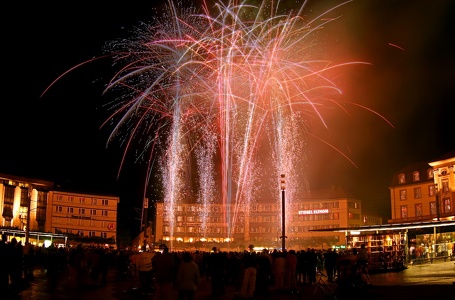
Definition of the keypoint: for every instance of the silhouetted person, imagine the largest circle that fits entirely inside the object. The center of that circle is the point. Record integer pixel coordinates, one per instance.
(4, 264)
(145, 267)
(188, 277)
(330, 260)
(250, 265)
(164, 270)
(216, 262)
(264, 273)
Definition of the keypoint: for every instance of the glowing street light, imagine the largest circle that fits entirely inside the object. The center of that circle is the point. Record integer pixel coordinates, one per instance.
(283, 212)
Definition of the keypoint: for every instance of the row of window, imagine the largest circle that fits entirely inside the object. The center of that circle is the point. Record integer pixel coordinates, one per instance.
(446, 208)
(263, 219)
(59, 221)
(431, 191)
(91, 233)
(415, 176)
(81, 211)
(83, 200)
(268, 229)
(262, 207)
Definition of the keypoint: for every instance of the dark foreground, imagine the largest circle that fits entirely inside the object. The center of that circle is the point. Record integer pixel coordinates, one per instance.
(429, 282)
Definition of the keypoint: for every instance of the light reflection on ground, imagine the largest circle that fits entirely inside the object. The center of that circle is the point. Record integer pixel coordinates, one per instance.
(424, 274)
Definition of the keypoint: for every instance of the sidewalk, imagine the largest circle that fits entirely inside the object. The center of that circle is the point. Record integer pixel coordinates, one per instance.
(417, 282)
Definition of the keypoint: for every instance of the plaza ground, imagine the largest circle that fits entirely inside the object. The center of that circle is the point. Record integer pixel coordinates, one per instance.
(426, 281)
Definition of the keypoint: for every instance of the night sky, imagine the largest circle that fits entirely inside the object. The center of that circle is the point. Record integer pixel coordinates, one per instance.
(409, 44)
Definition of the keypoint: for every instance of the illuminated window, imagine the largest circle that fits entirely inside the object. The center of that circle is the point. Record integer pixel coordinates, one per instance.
(416, 176)
(353, 216)
(401, 178)
(24, 197)
(417, 193)
(446, 205)
(354, 205)
(418, 209)
(403, 195)
(445, 186)
(404, 211)
(430, 174)
(431, 190)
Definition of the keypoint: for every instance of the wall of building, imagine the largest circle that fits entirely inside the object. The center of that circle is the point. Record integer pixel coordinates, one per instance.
(82, 214)
(424, 191)
(261, 223)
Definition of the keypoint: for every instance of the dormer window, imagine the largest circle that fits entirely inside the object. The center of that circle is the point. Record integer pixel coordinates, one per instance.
(401, 178)
(430, 174)
(416, 176)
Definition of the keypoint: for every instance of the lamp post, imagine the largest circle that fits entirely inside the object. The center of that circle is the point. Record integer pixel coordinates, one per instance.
(283, 212)
(437, 202)
(29, 202)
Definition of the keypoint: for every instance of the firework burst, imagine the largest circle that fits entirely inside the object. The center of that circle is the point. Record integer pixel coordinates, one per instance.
(227, 88)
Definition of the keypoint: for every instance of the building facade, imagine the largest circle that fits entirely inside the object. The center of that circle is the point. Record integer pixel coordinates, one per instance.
(191, 224)
(424, 191)
(81, 214)
(23, 201)
(29, 205)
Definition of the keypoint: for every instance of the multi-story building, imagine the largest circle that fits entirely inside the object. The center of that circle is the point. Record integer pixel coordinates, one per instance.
(23, 200)
(424, 191)
(261, 223)
(34, 210)
(82, 214)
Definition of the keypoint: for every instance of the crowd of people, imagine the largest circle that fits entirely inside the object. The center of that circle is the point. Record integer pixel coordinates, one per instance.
(251, 272)
(161, 272)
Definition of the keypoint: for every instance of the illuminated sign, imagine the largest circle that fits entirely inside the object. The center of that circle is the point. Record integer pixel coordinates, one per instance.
(314, 211)
(111, 226)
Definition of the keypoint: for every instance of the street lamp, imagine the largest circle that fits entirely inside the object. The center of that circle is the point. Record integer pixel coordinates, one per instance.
(283, 212)
(437, 202)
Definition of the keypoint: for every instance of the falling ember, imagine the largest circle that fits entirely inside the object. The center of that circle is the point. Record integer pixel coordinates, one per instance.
(396, 46)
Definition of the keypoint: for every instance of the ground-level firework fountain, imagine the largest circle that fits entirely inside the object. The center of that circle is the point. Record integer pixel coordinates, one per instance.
(220, 99)
(223, 96)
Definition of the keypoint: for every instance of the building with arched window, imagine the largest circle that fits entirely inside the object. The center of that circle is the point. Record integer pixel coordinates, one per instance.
(424, 191)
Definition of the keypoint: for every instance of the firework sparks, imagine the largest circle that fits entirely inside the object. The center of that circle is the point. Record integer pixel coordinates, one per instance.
(233, 87)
